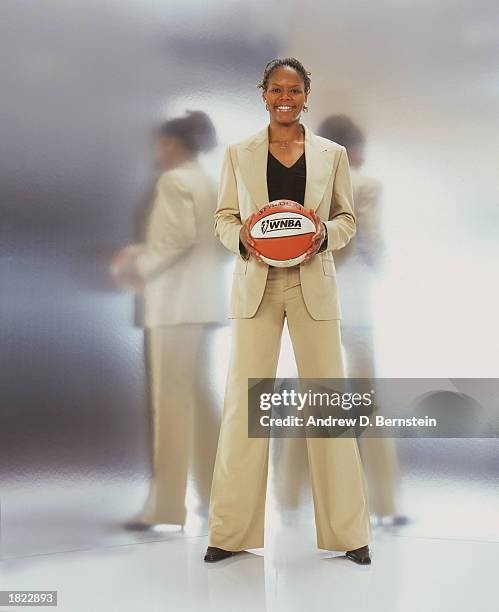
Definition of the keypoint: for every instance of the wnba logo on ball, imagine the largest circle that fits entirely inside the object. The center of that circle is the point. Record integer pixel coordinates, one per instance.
(272, 225)
(282, 232)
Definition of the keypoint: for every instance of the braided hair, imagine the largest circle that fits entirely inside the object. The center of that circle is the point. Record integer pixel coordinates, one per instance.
(342, 130)
(195, 130)
(291, 62)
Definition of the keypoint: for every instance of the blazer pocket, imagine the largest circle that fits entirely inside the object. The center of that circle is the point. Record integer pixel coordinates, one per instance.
(328, 266)
(241, 265)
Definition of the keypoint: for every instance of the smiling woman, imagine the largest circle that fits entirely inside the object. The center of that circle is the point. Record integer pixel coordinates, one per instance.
(289, 161)
(285, 87)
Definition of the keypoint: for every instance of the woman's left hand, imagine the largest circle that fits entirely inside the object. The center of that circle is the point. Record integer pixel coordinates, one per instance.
(318, 237)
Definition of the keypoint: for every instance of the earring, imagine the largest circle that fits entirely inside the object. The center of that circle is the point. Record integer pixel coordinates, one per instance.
(266, 106)
(305, 108)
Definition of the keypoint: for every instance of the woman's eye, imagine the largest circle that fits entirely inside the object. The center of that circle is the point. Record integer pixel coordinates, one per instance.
(275, 90)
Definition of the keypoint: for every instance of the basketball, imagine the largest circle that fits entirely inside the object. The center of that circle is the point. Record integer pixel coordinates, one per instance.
(283, 231)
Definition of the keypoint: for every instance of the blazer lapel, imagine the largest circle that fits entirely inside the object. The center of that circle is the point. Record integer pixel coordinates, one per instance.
(253, 165)
(320, 161)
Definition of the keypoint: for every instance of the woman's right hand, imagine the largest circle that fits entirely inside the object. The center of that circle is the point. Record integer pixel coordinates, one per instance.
(246, 239)
(123, 269)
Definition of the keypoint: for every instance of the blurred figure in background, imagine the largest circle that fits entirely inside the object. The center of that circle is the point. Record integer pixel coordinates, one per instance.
(357, 265)
(178, 268)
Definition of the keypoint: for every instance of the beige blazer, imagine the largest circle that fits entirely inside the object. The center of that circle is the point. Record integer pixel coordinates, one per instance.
(182, 261)
(367, 248)
(356, 263)
(243, 191)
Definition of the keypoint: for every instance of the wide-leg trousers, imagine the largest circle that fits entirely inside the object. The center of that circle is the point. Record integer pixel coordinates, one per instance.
(237, 503)
(185, 420)
(379, 455)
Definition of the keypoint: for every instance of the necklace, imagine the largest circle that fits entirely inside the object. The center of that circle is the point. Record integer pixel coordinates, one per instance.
(283, 144)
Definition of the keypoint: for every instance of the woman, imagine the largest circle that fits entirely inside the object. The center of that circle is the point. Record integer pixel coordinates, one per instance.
(178, 267)
(356, 265)
(285, 160)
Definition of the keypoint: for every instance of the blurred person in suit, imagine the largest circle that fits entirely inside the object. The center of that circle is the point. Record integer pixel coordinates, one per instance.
(178, 271)
(357, 265)
(284, 160)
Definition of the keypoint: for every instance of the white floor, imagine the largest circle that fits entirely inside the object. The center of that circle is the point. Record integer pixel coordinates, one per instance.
(408, 574)
(71, 539)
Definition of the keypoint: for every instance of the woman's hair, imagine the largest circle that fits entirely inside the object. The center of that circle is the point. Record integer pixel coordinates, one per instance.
(195, 130)
(342, 130)
(291, 62)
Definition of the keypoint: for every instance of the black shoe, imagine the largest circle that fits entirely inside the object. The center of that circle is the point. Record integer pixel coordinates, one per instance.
(360, 555)
(392, 520)
(400, 520)
(138, 526)
(214, 554)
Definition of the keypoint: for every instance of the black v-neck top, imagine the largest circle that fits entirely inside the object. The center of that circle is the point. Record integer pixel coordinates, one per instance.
(285, 183)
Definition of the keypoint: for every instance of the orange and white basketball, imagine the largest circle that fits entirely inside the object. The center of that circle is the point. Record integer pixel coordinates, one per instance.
(283, 231)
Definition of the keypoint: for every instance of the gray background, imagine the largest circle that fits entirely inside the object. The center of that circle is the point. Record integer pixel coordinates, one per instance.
(84, 84)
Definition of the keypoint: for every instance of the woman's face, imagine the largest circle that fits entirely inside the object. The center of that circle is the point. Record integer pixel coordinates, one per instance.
(285, 95)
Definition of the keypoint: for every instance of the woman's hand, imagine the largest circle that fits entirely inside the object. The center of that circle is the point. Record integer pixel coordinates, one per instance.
(318, 237)
(246, 239)
(124, 271)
